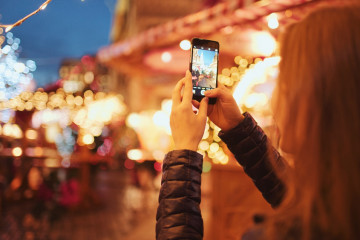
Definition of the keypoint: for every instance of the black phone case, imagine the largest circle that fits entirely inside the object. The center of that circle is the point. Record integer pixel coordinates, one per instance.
(206, 43)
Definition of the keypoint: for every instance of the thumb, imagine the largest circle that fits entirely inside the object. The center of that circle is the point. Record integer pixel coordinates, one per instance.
(221, 92)
(217, 92)
(203, 107)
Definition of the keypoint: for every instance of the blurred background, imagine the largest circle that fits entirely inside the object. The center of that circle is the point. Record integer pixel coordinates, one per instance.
(85, 101)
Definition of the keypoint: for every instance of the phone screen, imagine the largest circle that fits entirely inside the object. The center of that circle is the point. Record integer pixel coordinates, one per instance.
(204, 67)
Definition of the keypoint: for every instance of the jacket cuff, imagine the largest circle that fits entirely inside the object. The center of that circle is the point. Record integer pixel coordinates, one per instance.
(191, 159)
(241, 131)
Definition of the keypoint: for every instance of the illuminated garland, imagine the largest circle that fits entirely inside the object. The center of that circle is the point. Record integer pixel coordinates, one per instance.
(211, 145)
(15, 75)
(40, 100)
(19, 22)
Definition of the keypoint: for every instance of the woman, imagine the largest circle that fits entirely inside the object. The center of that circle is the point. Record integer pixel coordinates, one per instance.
(317, 110)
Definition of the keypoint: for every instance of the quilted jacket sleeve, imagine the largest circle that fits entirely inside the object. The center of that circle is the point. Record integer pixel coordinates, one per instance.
(178, 214)
(252, 150)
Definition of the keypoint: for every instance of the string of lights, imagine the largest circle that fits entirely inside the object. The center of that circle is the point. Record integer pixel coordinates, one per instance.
(8, 27)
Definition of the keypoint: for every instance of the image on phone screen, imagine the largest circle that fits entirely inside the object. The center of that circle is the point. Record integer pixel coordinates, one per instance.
(204, 68)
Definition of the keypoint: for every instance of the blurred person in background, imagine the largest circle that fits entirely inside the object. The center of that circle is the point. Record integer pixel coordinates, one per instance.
(317, 110)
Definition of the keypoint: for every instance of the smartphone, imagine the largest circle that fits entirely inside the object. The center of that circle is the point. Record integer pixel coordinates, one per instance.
(204, 67)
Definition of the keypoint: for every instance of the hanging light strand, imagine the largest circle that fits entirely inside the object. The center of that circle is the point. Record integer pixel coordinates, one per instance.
(19, 22)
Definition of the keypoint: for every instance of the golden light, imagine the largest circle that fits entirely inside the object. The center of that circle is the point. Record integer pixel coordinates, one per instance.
(16, 131)
(237, 59)
(133, 120)
(161, 119)
(224, 160)
(88, 94)
(252, 77)
(256, 99)
(243, 63)
(43, 6)
(51, 162)
(212, 155)
(135, 154)
(204, 145)
(219, 154)
(216, 137)
(185, 45)
(17, 152)
(96, 130)
(263, 43)
(273, 22)
(29, 106)
(206, 135)
(70, 99)
(8, 28)
(226, 72)
(166, 106)
(38, 151)
(88, 139)
(214, 147)
(44, 97)
(100, 95)
(21, 107)
(166, 57)
(80, 117)
(31, 134)
(51, 133)
(78, 100)
(0, 130)
(89, 77)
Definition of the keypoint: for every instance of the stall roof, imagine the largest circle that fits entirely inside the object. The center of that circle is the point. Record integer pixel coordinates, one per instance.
(250, 13)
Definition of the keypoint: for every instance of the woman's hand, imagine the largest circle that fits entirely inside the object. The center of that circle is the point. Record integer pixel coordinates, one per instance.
(225, 113)
(187, 127)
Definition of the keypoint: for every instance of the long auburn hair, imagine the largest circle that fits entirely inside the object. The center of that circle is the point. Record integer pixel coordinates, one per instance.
(318, 104)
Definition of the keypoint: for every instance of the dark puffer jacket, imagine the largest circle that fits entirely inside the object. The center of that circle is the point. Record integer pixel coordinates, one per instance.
(178, 215)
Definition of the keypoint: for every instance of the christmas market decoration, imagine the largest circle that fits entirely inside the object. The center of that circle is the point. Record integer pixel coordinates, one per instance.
(52, 122)
(15, 75)
(8, 27)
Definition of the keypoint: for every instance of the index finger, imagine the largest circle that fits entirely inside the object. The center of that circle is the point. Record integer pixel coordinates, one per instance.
(188, 87)
(176, 95)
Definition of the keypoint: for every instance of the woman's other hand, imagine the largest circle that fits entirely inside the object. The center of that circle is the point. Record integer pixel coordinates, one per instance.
(187, 127)
(225, 113)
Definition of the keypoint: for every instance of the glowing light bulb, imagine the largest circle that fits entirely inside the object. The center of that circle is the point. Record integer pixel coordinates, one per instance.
(135, 154)
(214, 147)
(31, 134)
(88, 139)
(273, 22)
(43, 7)
(166, 57)
(8, 28)
(17, 152)
(185, 45)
